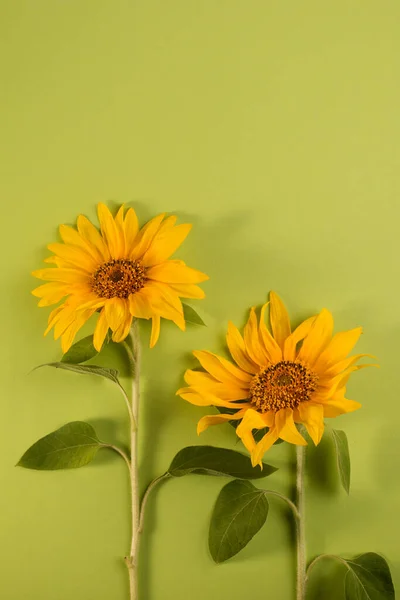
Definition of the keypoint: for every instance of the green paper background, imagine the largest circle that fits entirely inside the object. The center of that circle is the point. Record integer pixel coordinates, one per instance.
(274, 128)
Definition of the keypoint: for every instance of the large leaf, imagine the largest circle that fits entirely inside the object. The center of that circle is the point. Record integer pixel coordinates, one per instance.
(191, 315)
(239, 513)
(111, 374)
(209, 460)
(368, 578)
(73, 445)
(81, 351)
(343, 457)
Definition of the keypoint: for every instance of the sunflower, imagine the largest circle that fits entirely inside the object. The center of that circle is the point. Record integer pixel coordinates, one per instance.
(280, 378)
(121, 272)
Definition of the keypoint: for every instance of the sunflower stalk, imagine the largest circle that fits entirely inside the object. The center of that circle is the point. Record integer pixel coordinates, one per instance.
(300, 524)
(132, 559)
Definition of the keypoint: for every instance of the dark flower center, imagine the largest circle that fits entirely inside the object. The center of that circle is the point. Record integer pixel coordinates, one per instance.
(283, 385)
(119, 278)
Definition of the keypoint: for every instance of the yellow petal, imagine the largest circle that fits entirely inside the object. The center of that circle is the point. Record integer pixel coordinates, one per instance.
(341, 380)
(100, 331)
(62, 275)
(312, 415)
(318, 338)
(166, 303)
(343, 365)
(76, 257)
(131, 229)
(289, 349)
(145, 237)
(164, 245)
(119, 222)
(201, 379)
(252, 341)
(339, 405)
(200, 397)
(207, 383)
(123, 330)
(53, 318)
(263, 445)
(140, 304)
(115, 312)
(72, 237)
(109, 230)
(271, 347)
(339, 347)
(66, 317)
(69, 334)
(222, 369)
(51, 291)
(238, 350)
(187, 290)
(92, 301)
(207, 421)
(280, 323)
(286, 429)
(175, 271)
(155, 330)
(251, 420)
(89, 232)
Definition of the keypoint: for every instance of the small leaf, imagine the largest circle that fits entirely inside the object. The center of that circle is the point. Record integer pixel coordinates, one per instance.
(191, 315)
(73, 445)
(239, 513)
(209, 460)
(368, 578)
(81, 351)
(111, 374)
(343, 457)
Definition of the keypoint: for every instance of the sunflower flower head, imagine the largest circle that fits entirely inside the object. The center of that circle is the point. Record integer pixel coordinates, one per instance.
(121, 272)
(279, 378)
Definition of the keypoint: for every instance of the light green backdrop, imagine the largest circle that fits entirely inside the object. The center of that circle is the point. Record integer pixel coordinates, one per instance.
(272, 126)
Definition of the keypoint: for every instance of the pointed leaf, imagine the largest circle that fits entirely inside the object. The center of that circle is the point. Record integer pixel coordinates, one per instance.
(239, 513)
(111, 374)
(81, 351)
(191, 315)
(368, 578)
(209, 460)
(73, 445)
(343, 457)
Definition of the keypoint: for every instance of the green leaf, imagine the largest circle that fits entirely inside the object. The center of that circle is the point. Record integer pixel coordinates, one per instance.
(343, 457)
(111, 374)
(191, 315)
(81, 351)
(73, 445)
(209, 460)
(368, 578)
(239, 513)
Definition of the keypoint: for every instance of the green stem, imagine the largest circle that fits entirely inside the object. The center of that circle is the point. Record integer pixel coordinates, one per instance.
(132, 559)
(300, 525)
(147, 493)
(291, 504)
(120, 452)
(321, 556)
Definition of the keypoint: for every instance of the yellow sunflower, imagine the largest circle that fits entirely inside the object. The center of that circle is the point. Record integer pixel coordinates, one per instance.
(120, 272)
(280, 379)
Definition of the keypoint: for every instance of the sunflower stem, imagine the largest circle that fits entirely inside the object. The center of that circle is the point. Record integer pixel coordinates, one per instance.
(132, 560)
(147, 493)
(300, 524)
